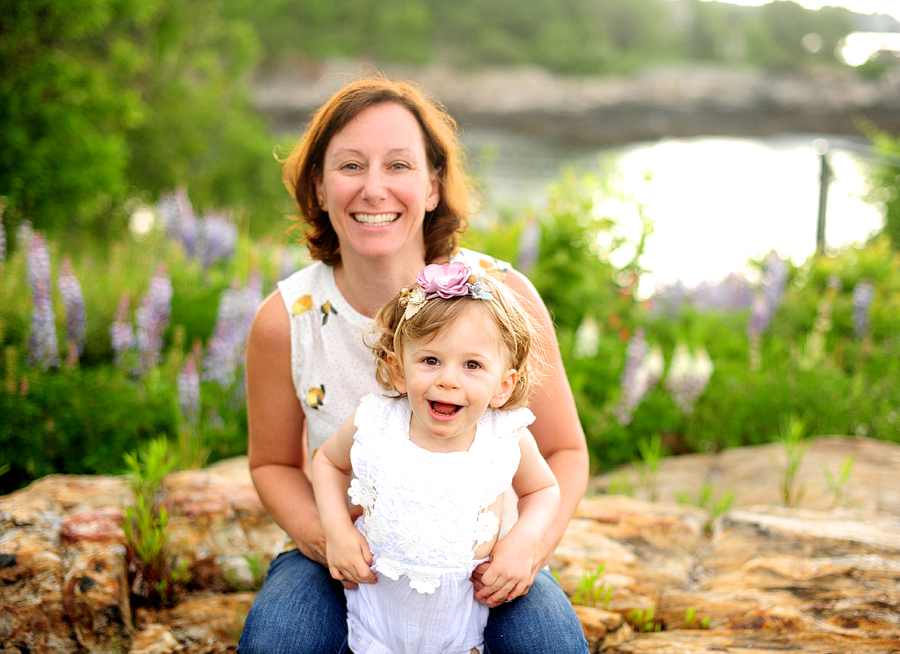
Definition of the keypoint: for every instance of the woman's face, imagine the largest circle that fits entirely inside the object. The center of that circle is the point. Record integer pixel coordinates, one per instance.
(376, 184)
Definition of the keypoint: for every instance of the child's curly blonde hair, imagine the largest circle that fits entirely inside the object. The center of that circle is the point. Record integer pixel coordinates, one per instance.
(390, 330)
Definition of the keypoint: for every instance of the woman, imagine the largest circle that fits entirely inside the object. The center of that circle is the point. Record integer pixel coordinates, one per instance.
(381, 191)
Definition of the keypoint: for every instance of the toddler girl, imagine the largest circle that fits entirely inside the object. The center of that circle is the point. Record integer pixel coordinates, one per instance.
(429, 466)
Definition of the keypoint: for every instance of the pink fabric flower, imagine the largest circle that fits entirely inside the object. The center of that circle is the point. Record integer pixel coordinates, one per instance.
(445, 280)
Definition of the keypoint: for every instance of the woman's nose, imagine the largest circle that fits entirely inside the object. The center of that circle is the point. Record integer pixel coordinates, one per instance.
(373, 187)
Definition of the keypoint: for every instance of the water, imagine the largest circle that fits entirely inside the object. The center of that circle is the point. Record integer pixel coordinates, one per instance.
(715, 201)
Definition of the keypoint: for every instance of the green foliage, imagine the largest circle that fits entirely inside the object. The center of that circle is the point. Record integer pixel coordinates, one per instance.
(154, 577)
(884, 182)
(644, 621)
(793, 439)
(706, 499)
(836, 484)
(692, 622)
(589, 592)
(102, 99)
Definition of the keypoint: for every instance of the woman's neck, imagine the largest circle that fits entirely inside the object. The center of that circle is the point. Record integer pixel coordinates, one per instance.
(368, 285)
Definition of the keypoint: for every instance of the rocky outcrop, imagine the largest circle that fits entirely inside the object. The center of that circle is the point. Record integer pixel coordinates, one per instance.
(607, 111)
(658, 576)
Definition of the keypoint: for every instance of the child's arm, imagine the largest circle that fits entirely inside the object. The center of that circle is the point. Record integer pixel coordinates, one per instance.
(345, 548)
(516, 558)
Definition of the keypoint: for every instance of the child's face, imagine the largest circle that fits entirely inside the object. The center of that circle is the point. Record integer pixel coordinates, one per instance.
(451, 378)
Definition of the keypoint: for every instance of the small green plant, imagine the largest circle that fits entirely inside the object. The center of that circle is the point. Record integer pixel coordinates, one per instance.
(620, 484)
(155, 579)
(258, 568)
(706, 500)
(837, 484)
(644, 621)
(589, 593)
(691, 621)
(651, 451)
(793, 439)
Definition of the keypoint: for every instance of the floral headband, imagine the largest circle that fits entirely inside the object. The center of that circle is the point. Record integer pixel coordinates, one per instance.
(446, 281)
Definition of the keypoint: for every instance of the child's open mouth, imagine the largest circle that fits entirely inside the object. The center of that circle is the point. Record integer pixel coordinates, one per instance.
(443, 411)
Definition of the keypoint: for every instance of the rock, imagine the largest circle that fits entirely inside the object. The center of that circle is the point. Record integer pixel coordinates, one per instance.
(758, 577)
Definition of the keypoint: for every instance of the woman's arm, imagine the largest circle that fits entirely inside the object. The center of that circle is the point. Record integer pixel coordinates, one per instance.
(556, 429)
(276, 425)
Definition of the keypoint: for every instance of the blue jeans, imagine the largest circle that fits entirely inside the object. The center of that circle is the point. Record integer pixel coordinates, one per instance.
(301, 610)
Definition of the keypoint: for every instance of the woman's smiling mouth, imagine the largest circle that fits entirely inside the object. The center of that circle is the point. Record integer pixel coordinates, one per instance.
(375, 218)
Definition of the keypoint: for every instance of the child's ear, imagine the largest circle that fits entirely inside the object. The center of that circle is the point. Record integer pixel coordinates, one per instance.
(506, 388)
(397, 377)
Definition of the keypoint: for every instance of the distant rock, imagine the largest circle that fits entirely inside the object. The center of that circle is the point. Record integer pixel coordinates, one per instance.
(760, 577)
(605, 111)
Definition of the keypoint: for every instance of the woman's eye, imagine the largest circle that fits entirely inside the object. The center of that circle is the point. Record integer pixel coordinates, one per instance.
(399, 166)
(350, 166)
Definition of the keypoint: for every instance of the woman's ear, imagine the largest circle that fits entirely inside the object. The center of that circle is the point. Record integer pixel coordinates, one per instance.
(397, 377)
(507, 384)
(320, 194)
(434, 194)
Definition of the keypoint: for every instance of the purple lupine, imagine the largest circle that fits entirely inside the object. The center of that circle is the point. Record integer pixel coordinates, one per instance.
(2, 238)
(24, 234)
(42, 344)
(153, 317)
(529, 246)
(76, 317)
(643, 368)
(178, 216)
(863, 294)
(225, 353)
(122, 332)
(767, 300)
(189, 391)
(731, 293)
(688, 377)
(219, 238)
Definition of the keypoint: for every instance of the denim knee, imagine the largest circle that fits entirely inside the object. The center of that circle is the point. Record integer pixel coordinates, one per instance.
(541, 621)
(299, 610)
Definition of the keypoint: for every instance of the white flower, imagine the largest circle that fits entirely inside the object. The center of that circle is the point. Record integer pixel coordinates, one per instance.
(376, 529)
(424, 582)
(362, 492)
(412, 544)
(389, 567)
(488, 524)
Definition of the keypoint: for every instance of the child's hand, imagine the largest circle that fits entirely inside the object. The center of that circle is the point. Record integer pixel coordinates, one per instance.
(508, 575)
(349, 558)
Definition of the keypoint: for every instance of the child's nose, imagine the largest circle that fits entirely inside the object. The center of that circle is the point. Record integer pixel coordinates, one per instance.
(448, 378)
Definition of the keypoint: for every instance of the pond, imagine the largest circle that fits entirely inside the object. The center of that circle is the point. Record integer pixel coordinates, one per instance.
(715, 201)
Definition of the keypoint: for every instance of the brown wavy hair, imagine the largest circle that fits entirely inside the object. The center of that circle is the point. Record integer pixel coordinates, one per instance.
(390, 330)
(303, 167)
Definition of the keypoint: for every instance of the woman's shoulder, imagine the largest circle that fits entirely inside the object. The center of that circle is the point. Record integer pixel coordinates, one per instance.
(482, 262)
(306, 282)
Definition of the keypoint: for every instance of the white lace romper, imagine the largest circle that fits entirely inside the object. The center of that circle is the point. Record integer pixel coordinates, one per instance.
(425, 514)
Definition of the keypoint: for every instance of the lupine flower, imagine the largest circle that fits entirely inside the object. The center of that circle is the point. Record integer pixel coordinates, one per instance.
(153, 318)
(24, 234)
(529, 246)
(42, 344)
(587, 339)
(2, 238)
(177, 214)
(814, 351)
(225, 354)
(189, 391)
(122, 332)
(768, 299)
(688, 377)
(219, 239)
(863, 294)
(76, 318)
(643, 368)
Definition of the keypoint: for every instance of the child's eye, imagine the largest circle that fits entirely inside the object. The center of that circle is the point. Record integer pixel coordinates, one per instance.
(431, 361)
(472, 365)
